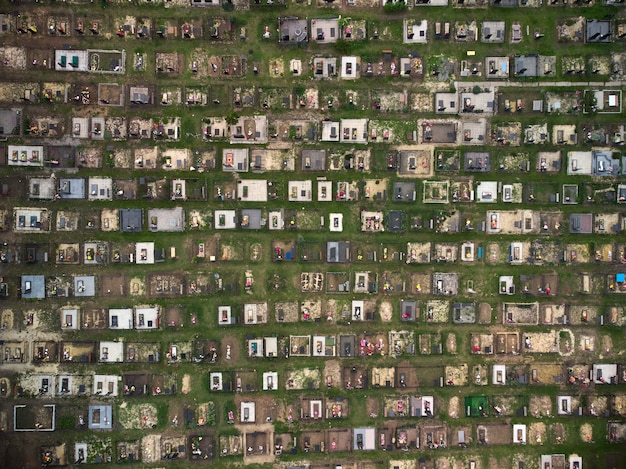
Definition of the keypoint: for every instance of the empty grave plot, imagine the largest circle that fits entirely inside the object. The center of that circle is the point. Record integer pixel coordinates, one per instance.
(257, 442)
(480, 375)
(310, 251)
(169, 62)
(125, 189)
(311, 310)
(110, 94)
(34, 417)
(246, 380)
(456, 375)
(390, 101)
(230, 445)
(393, 282)
(232, 249)
(166, 284)
(14, 57)
(385, 310)
(436, 192)
(308, 219)
(418, 253)
(514, 162)
(582, 314)
(540, 342)
(462, 190)
(225, 190)
(383, 377)
(226, 282)
(506, 342)
(202, 446)
(437, 311)
(390, 252)
(445, 283)
(152, 188)
(275, 98)
(113, 285)
(540, 406)
(400, 343)
(447, 160)
(94, 318)
(430, 375)
(231, 66)
(82, 352)
(283, 250)
(136, 416)
(546, 284)
(175, 316)
(494, 433)
(546, 373)
(339, 309)
(508, 405)
(508, 133)
(122, 252)
(142, 352)
(464, 313)
(244, 96)
(420, 283)
(332, 377)
(526, 314)
(136, 383)
(406, 377)
(164, 384)
(312, 282)
(370, 310)
(197, 220)
(338, 282)
(396, 406)
(578, 253)
(303, 378)
(354, 377)
(286, 311)
(199, 283)
(430, 344)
